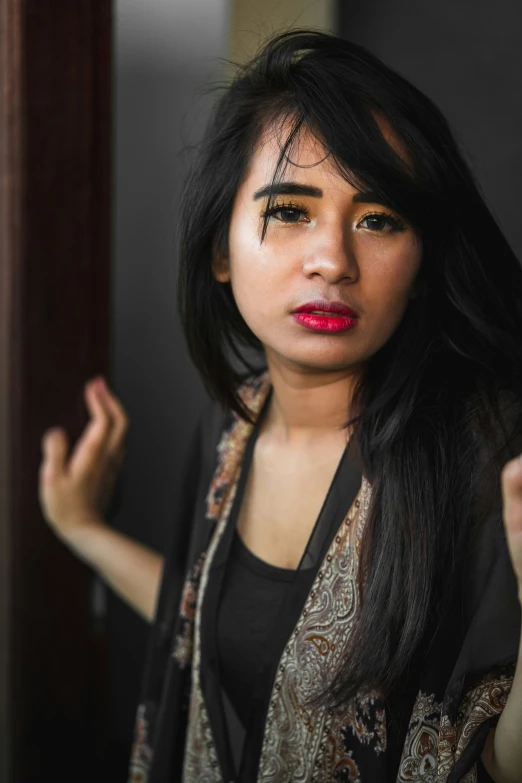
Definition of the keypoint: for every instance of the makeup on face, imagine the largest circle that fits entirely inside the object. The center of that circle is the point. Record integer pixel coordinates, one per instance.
(325, 323)
(320, 269)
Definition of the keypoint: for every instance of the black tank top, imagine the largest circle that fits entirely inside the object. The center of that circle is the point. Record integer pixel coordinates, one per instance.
(252, 593)
(250, 611)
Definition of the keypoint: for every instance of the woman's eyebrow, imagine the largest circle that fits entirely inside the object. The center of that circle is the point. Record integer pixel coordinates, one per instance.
(288, 189)
(296, 189)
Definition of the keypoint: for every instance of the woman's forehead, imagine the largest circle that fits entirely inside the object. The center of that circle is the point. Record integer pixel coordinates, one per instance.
(305, 149)
(305, 160)
(306, 152)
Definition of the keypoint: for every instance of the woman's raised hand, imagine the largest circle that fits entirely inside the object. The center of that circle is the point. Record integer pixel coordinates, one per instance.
(75, 494)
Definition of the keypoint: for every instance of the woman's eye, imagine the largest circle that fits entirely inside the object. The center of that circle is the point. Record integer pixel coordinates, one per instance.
(378, 223)
(289, 215)
(286, 214)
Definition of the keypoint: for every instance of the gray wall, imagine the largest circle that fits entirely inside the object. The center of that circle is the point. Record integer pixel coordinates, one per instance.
(165, 53)
(467, 57)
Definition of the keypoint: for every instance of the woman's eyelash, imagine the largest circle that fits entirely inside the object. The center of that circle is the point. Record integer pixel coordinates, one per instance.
(286, 205)
(397, 225)
(394, 221)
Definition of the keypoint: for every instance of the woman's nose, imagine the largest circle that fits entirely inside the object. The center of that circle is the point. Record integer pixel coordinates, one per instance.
(332, 256)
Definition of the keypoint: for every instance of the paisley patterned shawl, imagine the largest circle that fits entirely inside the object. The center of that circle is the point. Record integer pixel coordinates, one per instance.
(457, 698)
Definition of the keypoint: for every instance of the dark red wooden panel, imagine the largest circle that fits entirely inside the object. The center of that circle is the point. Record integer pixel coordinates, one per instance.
(55, 217)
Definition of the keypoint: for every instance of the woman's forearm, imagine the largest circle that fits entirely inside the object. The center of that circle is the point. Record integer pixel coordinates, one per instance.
(131, 569)
(503, 757)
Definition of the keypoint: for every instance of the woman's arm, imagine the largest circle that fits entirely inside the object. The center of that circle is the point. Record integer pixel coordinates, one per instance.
(131, 569)
(502, 754)
(74, 492)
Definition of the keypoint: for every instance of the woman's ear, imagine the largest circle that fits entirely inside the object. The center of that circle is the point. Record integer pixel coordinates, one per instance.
(220, 268)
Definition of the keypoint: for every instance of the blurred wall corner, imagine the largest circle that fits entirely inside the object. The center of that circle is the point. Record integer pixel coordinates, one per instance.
(166, 54)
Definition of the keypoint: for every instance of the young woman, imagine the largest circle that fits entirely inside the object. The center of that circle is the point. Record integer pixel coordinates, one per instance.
(341, 599)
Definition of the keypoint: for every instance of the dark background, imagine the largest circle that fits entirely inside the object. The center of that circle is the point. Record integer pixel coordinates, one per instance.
(467, 57)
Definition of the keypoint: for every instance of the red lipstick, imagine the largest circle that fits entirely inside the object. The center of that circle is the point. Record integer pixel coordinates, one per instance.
(315, 316)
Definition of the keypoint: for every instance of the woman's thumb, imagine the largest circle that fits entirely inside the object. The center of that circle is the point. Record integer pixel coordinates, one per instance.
(54, 446)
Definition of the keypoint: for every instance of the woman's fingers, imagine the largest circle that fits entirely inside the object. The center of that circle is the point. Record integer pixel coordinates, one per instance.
(120, 421)
(511, 484)
(55, 446)
(91, 447)
(76, 492)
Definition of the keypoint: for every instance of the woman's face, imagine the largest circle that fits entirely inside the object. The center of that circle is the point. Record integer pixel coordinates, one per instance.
(325, 245)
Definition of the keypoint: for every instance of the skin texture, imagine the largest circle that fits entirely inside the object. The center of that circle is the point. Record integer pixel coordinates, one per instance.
(321, 248)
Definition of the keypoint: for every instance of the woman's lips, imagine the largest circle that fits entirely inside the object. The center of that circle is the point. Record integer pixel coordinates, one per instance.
(321, 306)
(325, 323)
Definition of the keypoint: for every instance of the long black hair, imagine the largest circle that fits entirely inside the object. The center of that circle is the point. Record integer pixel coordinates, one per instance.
(443, 387)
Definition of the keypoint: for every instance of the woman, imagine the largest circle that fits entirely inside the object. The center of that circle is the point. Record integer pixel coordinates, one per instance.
(340, 601)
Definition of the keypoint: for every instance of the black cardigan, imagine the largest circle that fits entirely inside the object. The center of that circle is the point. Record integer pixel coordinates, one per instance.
(480, 636)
